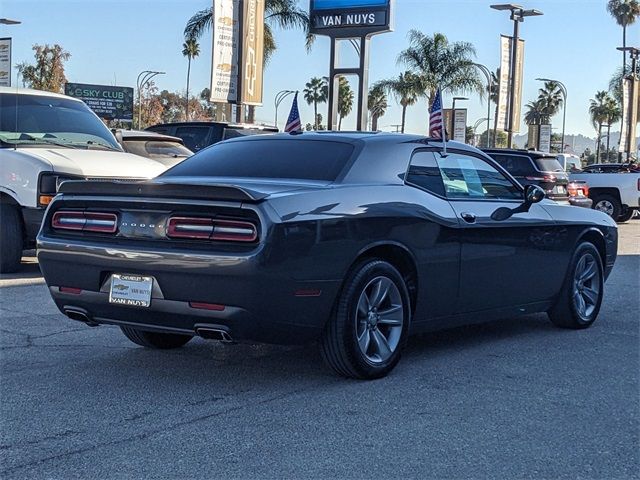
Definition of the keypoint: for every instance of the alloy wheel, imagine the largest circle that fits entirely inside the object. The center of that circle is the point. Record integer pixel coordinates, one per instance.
(380, 317)
(587, 286)
(605, 206)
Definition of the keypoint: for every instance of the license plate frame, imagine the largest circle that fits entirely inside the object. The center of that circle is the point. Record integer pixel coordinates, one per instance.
(131, 290)
(559, 190)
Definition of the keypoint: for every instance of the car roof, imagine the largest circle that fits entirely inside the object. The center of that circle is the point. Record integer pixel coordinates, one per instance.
(147, 135)
(208, 124)
(31, 91)
(517, 151)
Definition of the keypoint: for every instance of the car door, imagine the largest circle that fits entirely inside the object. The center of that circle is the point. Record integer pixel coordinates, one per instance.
(502, 261)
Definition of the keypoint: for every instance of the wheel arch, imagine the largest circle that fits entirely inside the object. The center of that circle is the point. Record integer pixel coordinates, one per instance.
(400, 257)
(595, 237)
(594, 192)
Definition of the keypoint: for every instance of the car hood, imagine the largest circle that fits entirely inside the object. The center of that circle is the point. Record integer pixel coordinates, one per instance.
(98, 163)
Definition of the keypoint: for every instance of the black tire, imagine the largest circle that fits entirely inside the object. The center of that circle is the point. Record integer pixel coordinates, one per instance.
(567, 312)
(162, 341)
(339, 343)
(607, 204)
(626, 215)
(11, 241)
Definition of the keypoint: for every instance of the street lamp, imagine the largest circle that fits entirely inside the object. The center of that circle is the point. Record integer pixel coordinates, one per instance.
(518, 15)
(487, 74)
(280, 96)
(146, 75)
(453, 113)
(8, 21)
(564, 104)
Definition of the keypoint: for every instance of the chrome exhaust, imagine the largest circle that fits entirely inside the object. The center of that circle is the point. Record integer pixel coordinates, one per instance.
(211, 333)
(80, 316)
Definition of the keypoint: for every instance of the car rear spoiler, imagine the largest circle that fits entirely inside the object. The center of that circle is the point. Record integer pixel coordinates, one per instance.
(161, 190)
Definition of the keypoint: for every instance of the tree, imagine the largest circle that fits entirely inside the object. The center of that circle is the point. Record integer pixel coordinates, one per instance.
(377, 105)
(190, 49)
(48, 71)
(315, 92)
(536, 113)
(405, 88)
(345, 100)
(439, 63)
(625, 12)
(285, 14)
(470, 136)
(551, 97)
(599, 113)
(500, 140)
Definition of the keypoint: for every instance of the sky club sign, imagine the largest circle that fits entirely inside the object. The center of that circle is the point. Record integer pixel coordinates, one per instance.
(341, 18)
(108, 102)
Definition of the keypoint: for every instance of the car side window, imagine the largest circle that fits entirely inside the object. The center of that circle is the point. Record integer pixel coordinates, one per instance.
(424, 172)
(467, 177)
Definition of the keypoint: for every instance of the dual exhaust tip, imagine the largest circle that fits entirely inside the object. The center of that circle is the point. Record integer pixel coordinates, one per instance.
(218, 333)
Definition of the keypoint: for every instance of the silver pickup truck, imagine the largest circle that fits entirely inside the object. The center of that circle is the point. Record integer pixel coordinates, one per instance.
(613, 187)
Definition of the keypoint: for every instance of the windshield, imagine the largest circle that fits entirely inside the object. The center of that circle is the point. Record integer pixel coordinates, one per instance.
(548, 164)
(45, 120)
(243, 132)
(157, 149)
(268, 158)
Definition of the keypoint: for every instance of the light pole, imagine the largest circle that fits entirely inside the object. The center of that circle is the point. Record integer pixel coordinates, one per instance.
(518, 15)
(280, 96)
(564, 105)
(146, 75)
(487, 73)
(453, 115)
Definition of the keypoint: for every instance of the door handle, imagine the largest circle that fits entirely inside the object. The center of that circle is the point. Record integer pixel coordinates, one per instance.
(468, 217)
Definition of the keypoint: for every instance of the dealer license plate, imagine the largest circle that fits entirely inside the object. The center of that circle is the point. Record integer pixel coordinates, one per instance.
(130, 290)
(559, 189)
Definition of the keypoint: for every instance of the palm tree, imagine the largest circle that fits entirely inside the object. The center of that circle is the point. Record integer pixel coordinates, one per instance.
(405, 89)
(551, 97)
(190, 49)
(377, 104)
(315, 92)
(598, 110)
(285, 14)
(536, 113)
(345, 100)
(439, 63)
(613, 114)
(625, 12)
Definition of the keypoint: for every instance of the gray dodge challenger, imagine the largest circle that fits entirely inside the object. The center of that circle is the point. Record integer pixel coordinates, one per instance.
(353, 240)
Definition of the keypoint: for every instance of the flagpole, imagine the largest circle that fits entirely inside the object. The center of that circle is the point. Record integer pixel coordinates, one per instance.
(444, 131)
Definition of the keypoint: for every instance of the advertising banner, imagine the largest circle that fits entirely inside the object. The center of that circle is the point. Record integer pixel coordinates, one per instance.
(544, 142)
(341, 18)
(5, 62)
(224, 63)
(627, 85)
(252, 52)
(108, 102)
(505, 84)
(460, 125)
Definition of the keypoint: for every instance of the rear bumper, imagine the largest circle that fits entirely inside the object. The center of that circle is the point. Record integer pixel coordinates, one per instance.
(261, 303)
(584, 202)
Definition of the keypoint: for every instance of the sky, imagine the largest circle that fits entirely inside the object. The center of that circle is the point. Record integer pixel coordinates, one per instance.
(111, 41)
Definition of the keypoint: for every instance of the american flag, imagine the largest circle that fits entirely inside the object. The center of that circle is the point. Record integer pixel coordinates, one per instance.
(436, 125)
(293, 122)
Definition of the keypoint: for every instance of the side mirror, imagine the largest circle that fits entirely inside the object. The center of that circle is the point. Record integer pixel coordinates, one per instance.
(533, 194)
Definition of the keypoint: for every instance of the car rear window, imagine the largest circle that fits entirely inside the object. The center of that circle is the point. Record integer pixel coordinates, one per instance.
(549, 164)
(516, 165)
(269, 158)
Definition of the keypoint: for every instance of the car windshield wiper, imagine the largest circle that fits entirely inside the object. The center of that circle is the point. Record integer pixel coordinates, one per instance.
(92, 144)
(44, 141)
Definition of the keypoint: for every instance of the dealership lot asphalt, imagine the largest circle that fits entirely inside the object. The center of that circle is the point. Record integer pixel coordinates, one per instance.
(510, 399)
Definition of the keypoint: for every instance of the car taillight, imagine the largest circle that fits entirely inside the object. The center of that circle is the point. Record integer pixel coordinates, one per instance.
(545, 178)
(211, 229)
(85, 221)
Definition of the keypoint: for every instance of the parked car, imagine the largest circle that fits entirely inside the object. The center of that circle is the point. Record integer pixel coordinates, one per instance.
(570, 162)
(156, 146)
(198, 135)
(614, 188)
(356, 240)
(530, 167)
(46, 138)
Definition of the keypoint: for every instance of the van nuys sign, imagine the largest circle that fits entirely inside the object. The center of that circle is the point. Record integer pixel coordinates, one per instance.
(108, 102)
(339, 18)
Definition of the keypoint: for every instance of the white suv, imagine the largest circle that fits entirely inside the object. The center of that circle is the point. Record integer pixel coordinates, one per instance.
(46, 138)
